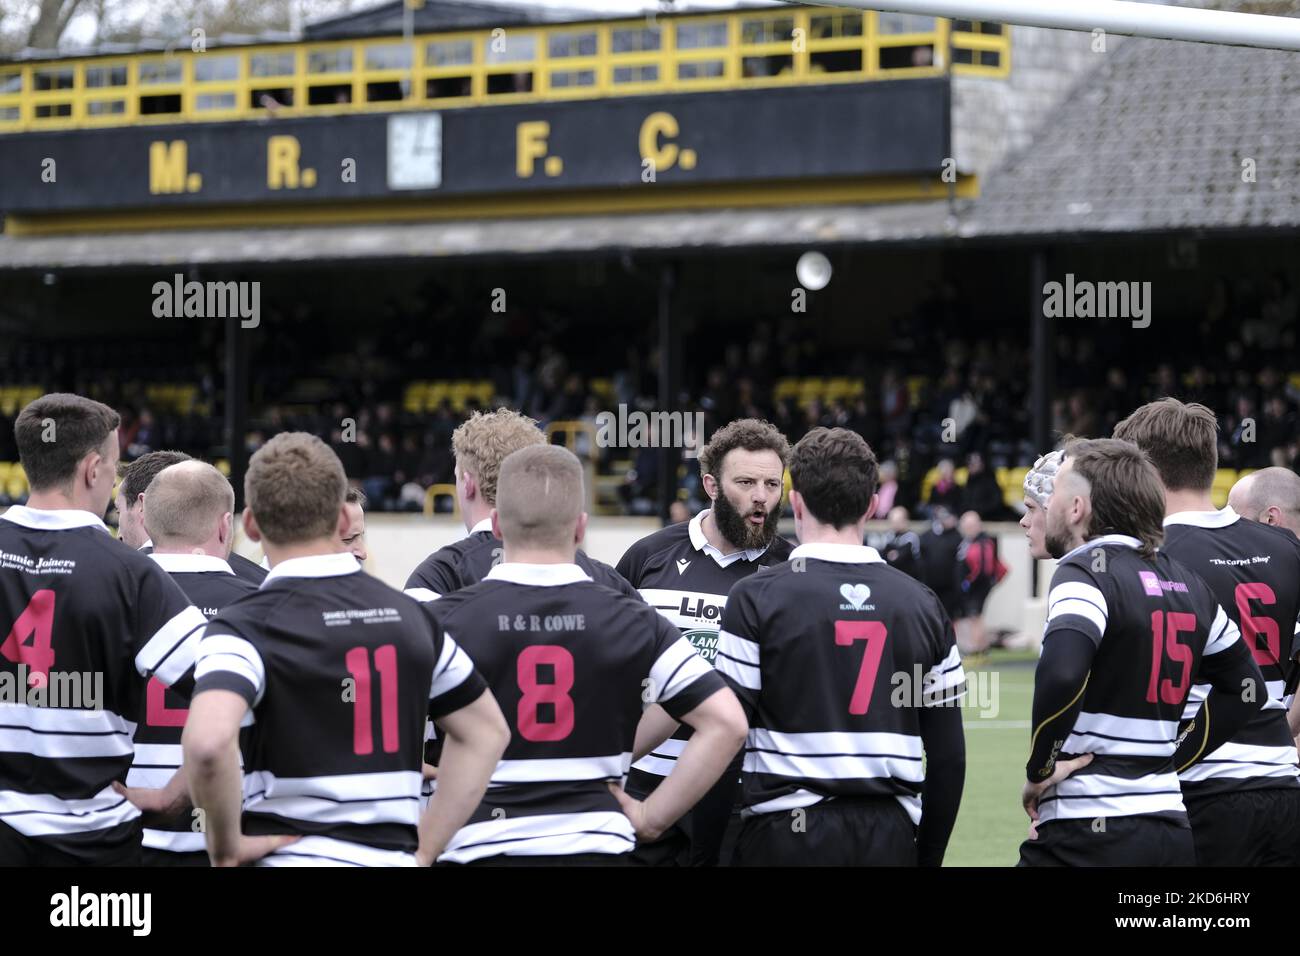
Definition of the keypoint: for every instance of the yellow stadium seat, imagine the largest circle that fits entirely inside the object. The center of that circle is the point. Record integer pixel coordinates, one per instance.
(1013, 492)
(223, 466)
(5, 468)
(786, 388)
(1224, 479)
(16, 486)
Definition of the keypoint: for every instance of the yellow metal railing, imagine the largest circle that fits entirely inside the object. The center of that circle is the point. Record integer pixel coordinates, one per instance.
(670, 54)
(434, 492)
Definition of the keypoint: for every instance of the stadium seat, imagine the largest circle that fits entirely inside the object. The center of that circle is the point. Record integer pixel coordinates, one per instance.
(1013, 492)
(1224, 479)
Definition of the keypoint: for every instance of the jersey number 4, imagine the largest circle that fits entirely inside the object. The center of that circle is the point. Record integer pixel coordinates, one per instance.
(553, 695)
(873, 632)
(36, 622)
(358, 664)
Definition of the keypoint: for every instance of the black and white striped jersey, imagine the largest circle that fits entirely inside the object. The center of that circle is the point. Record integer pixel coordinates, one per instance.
(89, 621)
(572, 663)
(1254, 571)
(1157, 629)
(833, 654)
(468, 561)
(211, 585)
(340, 672)
(687, 580)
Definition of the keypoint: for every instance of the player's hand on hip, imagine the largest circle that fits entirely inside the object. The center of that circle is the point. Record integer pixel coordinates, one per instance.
(430, 772)
(634, 810)
(250, 849)
(151, 800)
(1033, 791)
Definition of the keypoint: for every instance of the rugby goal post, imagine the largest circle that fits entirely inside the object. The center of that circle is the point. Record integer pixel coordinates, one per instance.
(1119, 17)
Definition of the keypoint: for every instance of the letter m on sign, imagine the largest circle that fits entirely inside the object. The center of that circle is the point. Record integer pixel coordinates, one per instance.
(168, 167)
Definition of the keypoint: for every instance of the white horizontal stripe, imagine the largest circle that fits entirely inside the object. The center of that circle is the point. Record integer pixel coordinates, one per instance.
(175, 841)
(672, 747)
(561, 768)
(342, 786)
(326, 851)
(157, 755)
(1078, 591)
(170, 652)
(1079, 606)
(897, 745)
(1094, 807)
(833, 768)
(676, 669)
(740, 648)
(1136, 728)
(453, 668)
(1227, 635)
(787, 801)
(1101, 784)
(40, 814)
(547, 834)
(422, 594)
(1079, 743)
(62, 744)
(1244, 760)
(659, 766)
(226, 652)
(939, 678)
(668, 602)
(1277, 691)
(746, 675)
(65, 719)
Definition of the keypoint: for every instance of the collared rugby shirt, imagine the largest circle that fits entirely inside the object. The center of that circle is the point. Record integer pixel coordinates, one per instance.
(468, 561)
(1254, 571)
(89, 621)
(1157, 627)
(250, 571)
(687, 580)
(340, 672)
(572, 664)
(211, 585)
(833, 654)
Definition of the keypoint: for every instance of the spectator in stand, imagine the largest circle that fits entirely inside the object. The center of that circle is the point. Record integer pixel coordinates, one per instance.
(981, 493)
(888, 490)
(902, 549)
(946, 493)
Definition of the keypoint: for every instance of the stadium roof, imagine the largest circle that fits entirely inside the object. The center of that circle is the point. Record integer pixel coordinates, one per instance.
(1154, 140)
(568, 235)
(438, 15)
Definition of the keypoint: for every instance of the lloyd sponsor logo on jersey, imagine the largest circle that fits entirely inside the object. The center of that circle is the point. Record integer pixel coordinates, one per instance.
(704, 642)
(699, 609)
(74, 908)
(857, 596)
(1154, 586)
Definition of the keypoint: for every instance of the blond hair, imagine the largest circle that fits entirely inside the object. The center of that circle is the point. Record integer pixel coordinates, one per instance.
(483, 442)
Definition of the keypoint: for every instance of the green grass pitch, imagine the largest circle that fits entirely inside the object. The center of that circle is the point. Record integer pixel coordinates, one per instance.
(991, 823)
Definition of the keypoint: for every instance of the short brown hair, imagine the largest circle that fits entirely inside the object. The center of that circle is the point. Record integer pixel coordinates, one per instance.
(355, 496)
(541, 496)
(184, 502)
(483, 442)
(80, 426)
(295, 487)
(1125, 490)
(1181, 439)
(835, 472)
(751, 434)
(139, 474)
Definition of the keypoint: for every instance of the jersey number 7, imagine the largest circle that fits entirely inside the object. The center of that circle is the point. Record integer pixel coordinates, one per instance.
(873, 632)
